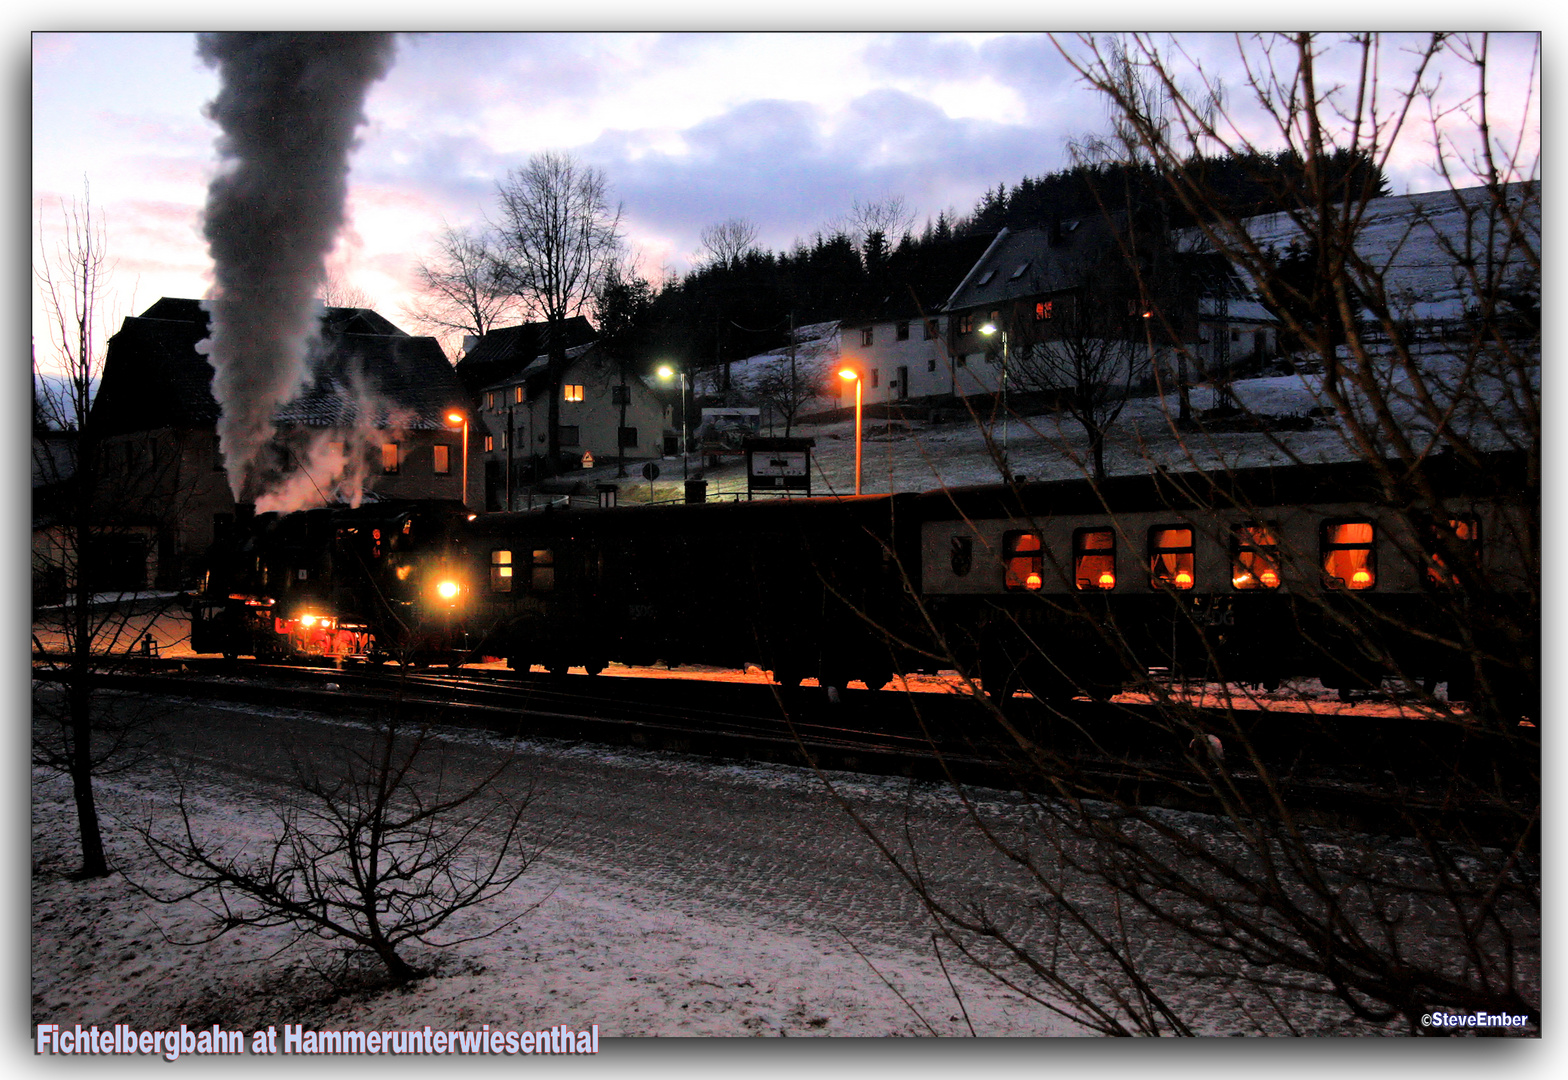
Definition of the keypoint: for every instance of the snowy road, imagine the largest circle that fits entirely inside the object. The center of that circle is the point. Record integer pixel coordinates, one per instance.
(678, 896)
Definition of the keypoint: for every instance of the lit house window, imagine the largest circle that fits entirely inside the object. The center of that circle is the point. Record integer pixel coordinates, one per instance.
(500, 571)
(1094, 558)
(1349, 555)
(489, 444)
(1024, 559)
(966, 324)
(389, 457)
(490, 399)
(443, 459)
(1463, 534)
(574, 391)
(1170, 557)
(1254, 557)
(517, 395)
(1042, 310)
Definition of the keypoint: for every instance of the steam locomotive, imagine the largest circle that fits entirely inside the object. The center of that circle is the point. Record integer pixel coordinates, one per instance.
(1344, 572)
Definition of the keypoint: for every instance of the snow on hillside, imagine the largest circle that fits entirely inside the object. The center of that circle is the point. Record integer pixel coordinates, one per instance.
(817, 355)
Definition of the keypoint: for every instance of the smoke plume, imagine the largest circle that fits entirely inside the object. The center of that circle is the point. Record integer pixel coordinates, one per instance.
(288, 108)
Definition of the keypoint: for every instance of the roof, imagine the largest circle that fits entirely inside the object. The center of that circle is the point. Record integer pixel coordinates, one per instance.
(1032, 262)
(503, 353)
(153, 376)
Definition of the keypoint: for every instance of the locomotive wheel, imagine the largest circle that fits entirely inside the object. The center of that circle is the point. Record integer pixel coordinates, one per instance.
(593, 667)
(558, 668)
(517, 664)
(876, 680)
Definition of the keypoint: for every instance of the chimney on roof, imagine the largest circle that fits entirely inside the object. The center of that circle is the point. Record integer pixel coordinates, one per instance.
(469, 343)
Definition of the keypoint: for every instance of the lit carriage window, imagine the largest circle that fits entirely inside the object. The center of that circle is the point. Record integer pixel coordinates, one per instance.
(1349, 555)
(1463, 533)
(1170, 557)
(500, 571)
(1254, 557)
(542, 576)
(1024, 560)
(1094, 558)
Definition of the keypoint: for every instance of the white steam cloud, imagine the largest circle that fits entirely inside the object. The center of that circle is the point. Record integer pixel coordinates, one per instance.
(288, 108)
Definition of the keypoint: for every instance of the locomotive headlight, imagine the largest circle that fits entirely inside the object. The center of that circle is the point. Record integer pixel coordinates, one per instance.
(307, 620)
(447, 590)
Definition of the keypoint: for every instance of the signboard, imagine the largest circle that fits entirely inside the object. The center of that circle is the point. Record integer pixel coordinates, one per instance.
(778, 464)
(587, 459)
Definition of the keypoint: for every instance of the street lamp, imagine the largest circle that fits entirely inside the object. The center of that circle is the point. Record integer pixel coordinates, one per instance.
(454, 417)
(668, 372)
(854, 376)
(988, 329)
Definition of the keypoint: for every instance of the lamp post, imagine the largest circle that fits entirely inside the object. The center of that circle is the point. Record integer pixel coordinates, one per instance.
(854, 376)
(668, 372)
(988, 329)
(454, 417)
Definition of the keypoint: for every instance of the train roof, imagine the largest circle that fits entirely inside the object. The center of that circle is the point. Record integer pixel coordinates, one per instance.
(1389, 483)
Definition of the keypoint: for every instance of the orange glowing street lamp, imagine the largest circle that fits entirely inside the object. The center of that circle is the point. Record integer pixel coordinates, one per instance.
(854, 376)
(454, 417)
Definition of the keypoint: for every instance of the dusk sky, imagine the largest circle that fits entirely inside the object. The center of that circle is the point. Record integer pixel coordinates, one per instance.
(786, 130)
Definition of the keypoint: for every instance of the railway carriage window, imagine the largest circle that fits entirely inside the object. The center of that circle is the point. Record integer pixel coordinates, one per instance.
(1349, 555)
(961, 555)
(500, 571)
(1462, 532)
(541, 577)
(1094, 558)
(1254, 557)
(1171, 562)
(1024, 559)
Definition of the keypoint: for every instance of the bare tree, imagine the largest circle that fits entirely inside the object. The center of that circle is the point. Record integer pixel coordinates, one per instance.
(74, 279)
(728, 241)
(1419, 377)
(459, 294)
(1089, 355)
(382, 849)
(889, 216)
(339, 291)
(557, 238)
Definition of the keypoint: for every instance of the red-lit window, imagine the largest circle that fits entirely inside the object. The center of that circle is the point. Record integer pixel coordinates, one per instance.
(489, 444)
(389, 457)
(1042, 310)
(1349, 555)
(517, 395)
(1462, 534)
(501, 571)
(1024, 558)
(1094, 558)
(1171, 559)
(1254, 557)
(443, 456)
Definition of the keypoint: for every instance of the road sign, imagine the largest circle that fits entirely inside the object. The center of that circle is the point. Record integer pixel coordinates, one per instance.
(650, 471)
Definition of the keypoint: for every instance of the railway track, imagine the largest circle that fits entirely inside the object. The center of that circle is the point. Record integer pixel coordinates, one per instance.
(1398, 775)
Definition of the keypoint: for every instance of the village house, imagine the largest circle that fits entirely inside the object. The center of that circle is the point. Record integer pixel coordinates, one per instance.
(606, 414)
(372, 422)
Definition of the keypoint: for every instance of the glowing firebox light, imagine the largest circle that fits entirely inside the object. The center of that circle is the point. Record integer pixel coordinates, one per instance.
(1107, 580)
(447, 590)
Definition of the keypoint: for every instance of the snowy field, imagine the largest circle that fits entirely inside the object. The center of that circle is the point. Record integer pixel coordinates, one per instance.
(588, 949)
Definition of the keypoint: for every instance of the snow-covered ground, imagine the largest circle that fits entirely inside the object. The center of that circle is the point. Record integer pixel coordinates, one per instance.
(589, 949)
